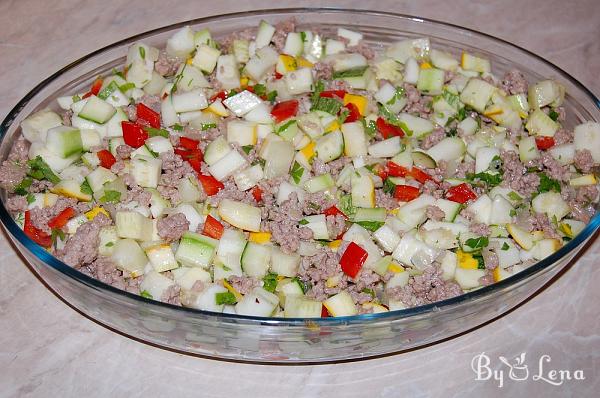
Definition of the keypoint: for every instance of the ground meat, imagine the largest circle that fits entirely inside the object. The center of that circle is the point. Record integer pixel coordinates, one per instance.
(166, 65)
(434, 213)
(316, 269)
(362, 48)
(360, 287)
(11, 174)
(480, 229)
(82, 247)
(487, 279)
(118, 167)
(554, 169)
(231, 191)
(139, 195)
(416, 103)
(336, 225)
(174, 169)
(243, 284)
(171, 295)
(281, 30)
(269, 189)
(586, 194)
(336, 166)
(282, 222)
(124, 151)
(383, 199)
(584, 161)
(19, 152)
(103, 269)
(315, 203)
(541, 222)
(319, 167)
(172, 226)
(226, 43)
(433, 189)
(40, 186)
(131, 111)
(16, 203)
(433, 138)
(323, 71)
(563, 136)
(464, 168)
(514, 82)
(426, 288)
(516, 176)
(490, 259)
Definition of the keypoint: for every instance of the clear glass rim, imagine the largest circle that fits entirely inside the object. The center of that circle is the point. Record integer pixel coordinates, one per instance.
(18, 234)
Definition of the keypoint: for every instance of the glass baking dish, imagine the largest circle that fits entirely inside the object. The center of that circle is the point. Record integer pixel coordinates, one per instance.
(246, 338)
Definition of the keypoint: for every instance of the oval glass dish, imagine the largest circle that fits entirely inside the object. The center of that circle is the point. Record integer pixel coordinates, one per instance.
(248, 338)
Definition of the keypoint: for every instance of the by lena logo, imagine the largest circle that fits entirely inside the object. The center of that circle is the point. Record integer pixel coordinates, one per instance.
(518, 370)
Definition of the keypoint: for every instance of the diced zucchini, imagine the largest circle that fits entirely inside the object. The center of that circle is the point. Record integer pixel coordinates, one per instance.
(363, 190)
(284, 264)
(128, 256)
(240, 215)
(448, 149)
(415, 126)
(330, 146)
(552, 204)
(35, 126)
(318, 224)
(587, 136)
(64, 141)
(341, 304)
(146, 171)
(431, 81)
(541, 124)
(258, 302)
(477, 93)
(96, 110)
(528, 149)
(196, 250)
(264, 34)
(133, 225)
(255, 260)
(319, 183)
(161, 257)
(259, 65)
(227, 165)
(98, 177)
(206, 58)
(227, 72)
(300, 307)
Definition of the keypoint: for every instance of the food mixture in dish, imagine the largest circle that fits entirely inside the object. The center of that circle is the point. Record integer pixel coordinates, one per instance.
(290, 173)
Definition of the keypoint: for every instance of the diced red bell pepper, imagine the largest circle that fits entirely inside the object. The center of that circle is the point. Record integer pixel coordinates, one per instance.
(333, 93)
(210, 184)
(544, 143)
(395, 170)
(94, 89)
(188, 143)
(324, 312)
(222, 95)
(353, 259)
(284, 110)
(334, 211)
(420, 175)
(388, 130)
(381, 171)
(354, 114)
(106, 158)
(213, 228)
(278, 75)
(461, 193)
(148, 116)
(62, 218)
(133, 134)
(406, 193)
(35, 234)
(192, 156)
(257, 193)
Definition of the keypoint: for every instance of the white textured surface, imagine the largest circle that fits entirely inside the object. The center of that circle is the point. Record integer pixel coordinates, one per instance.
(47, 349)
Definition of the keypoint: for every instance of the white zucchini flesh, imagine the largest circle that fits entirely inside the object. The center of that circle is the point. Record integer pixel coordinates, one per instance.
(301, 307)
(216, 150)
(146, 171)
(265, 60)
(330, 146)
(248, 177)
(342, 62)
(191, 214)
(353, 37)
(64, 141)
(401, 51)
(413, 213)
(207, 299)
(159, 144)
(299, 81)
(264, 34)
(411, 71)
(227, 72)
(55, 162)
(468, 278)
(189, 101)
(133, 225)
(279, 159)
(196, 250)
(35, 126)
(167, 112)
(587, 136)
(286, 189)
(206, 58)
(128, 256)
(341, 304)
(552, 204)
(181, 44)
(242, 132)
(186, 277)
(161, 257)
(240, 215)
(448, 149)
(481, 209)
(484, 157)
(284, 264)
(477, 93)
(386, 148)
(318, 224)
(363, 190)
(242, 103)
(227, 165)
(97, 110)
(416, 126)
(258, 302)
(229, 252)
(334, 47)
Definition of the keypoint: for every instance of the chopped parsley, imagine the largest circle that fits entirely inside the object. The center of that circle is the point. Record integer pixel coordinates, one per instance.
(247, 148)
(354, 72)
(147, 295)
(505, 246)
(272, 96)
(56, 234)
(368, 291)
(480, 261)
(477, 243)
(111, 197)
(326, 104)
(370, 127)
(227, 298)
(370, 225)
(392, 119)
(41, 171)
(110, 244)
(548, 184)
(489, 179)
(303, 37)
(343, 116)
(297, 172)
(303, 222)
(512, 195)
(260, 89)
(270, 282)
(553, 115)
(153, 132)
(177, 127)
(30, 198)
(85, 187)
(208, 126)
(21, 188)
(142, 51)
(389, 187)
(398, 95)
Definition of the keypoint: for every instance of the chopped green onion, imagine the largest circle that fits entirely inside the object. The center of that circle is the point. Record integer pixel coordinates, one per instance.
(227, 298)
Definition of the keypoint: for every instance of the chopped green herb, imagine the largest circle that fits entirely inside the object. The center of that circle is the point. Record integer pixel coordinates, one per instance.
(147, 295)
(512, 212)
(318, 89)
(40, 170)
(111, 197)
(303, 222)
(56, 234)
(368, 291)
(398, 95)
(285, 126)
(231, 93)
(343, 116)
(177, 127)
(260, 89)
(370, 225)
(270, 282)
(272, 96)
(85, 187)
(314, 206)
(118, 73)
(392, 119)
(21, 188)
(477, 243)
(354, 72)
(153, 132)
(208, 126)
(389, 187)
(369, 126)
(303, 37)
(326, 104)
(76, 98)
(512, 195)
(260, 162)
(548, 184)
(30, 198)
(489, 179)
(110, 244)
(247, 148)
(346, 205)
(505, 246)
(553, 115)
(226, 298)
(304, 286)
(142, 51)
(480, 261)
(297, 172)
